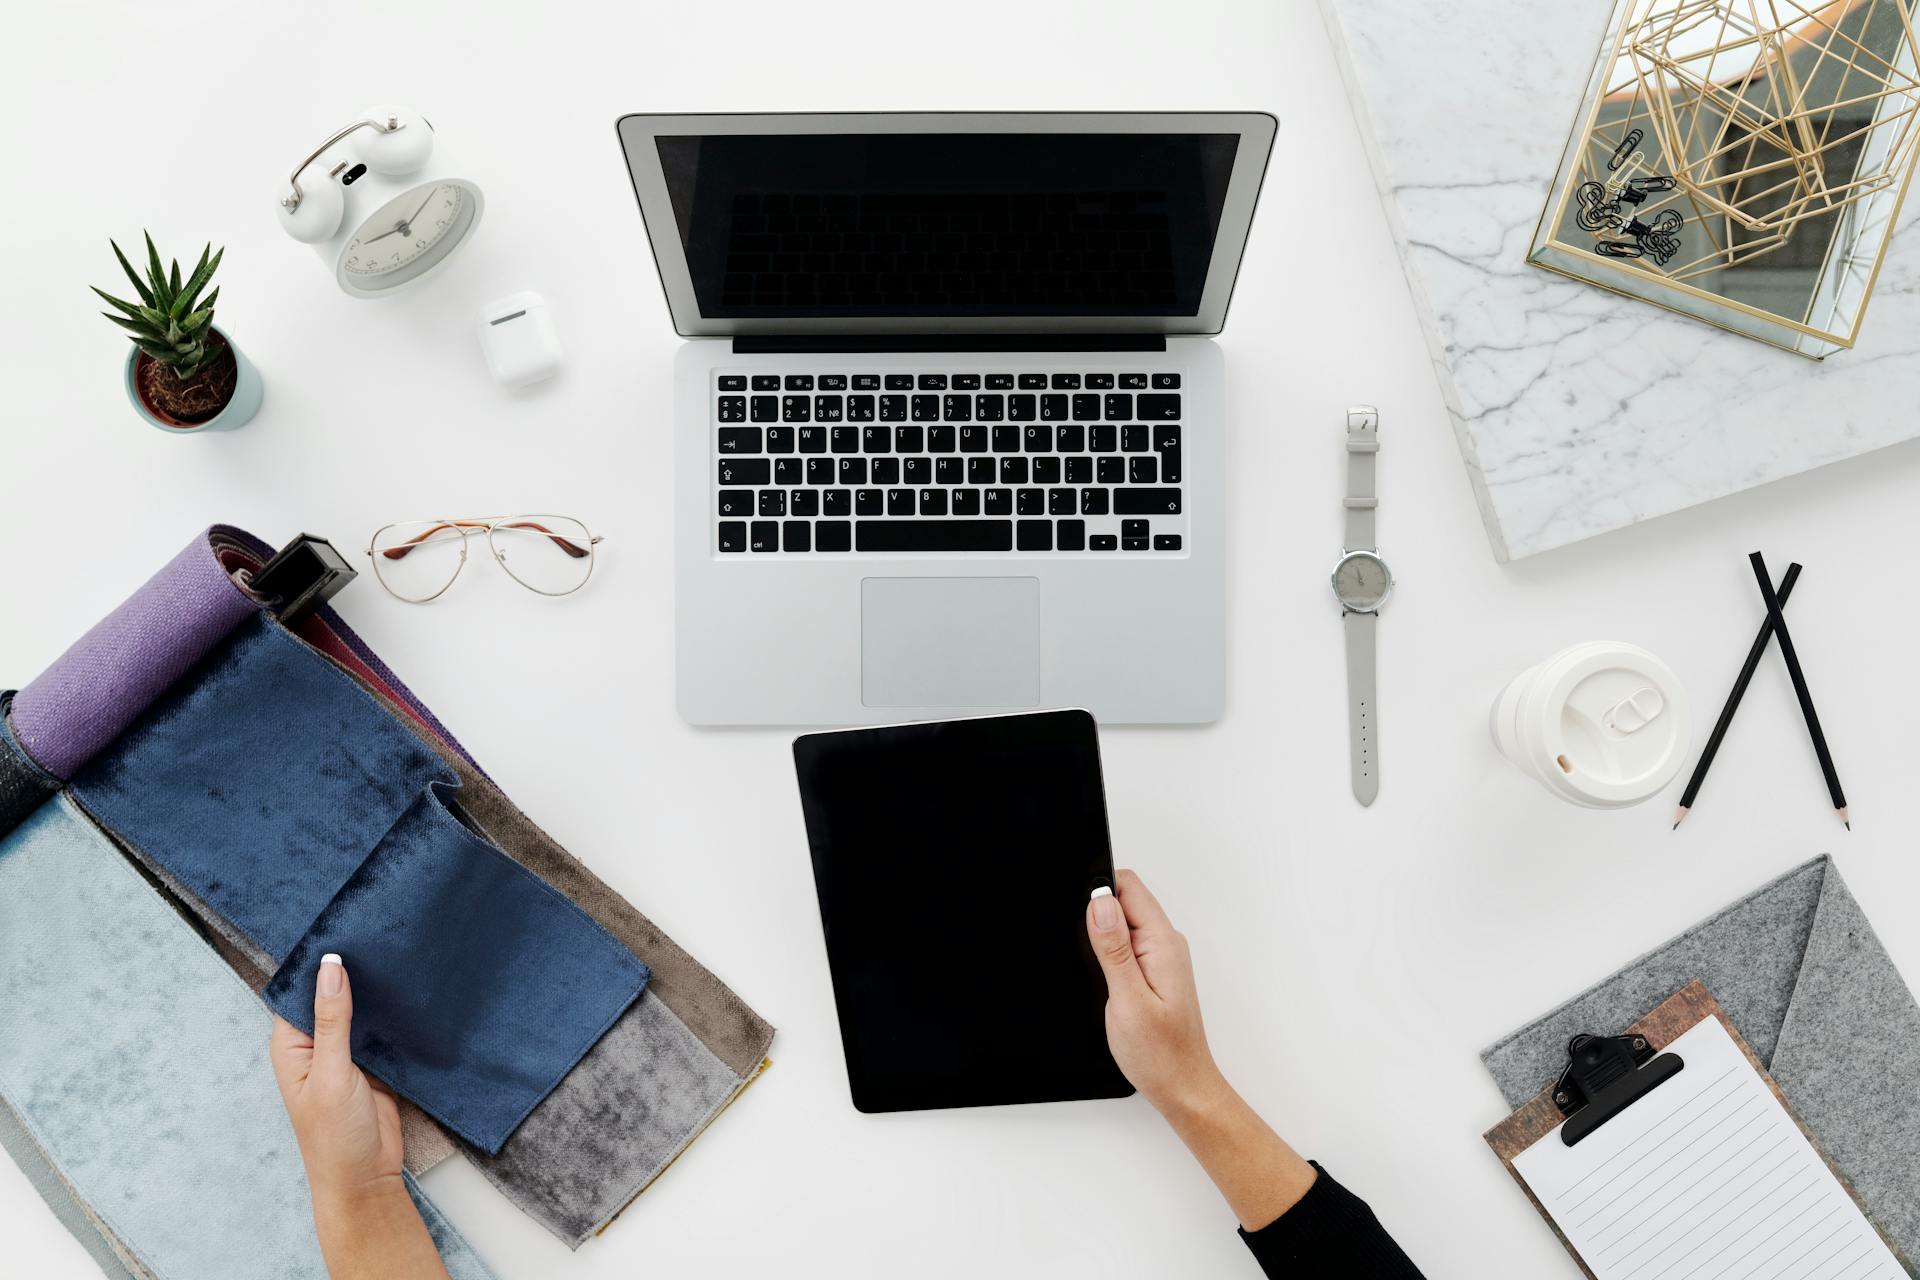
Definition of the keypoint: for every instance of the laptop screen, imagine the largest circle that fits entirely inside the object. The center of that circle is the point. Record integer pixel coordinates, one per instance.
(947, 224)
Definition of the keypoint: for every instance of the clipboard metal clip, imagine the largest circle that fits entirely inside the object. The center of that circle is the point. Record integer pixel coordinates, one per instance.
(1605, 1075)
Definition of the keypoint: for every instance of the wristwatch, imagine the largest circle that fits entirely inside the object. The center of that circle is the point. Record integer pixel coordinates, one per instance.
(1361, 583)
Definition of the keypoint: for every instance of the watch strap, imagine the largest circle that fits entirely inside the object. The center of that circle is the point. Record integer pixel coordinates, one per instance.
(1363, 447)
(1363, 714)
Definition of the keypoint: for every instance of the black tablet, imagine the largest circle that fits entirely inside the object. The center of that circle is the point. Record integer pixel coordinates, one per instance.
(953, 863)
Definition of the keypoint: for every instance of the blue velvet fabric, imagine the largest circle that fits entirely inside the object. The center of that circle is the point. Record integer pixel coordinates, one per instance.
(286, 798)
(261, 781)
(507, 979)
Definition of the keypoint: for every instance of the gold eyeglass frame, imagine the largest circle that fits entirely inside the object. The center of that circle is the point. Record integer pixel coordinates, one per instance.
(468, 527)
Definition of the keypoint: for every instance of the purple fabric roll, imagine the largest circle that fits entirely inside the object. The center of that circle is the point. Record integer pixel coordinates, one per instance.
(109, 676)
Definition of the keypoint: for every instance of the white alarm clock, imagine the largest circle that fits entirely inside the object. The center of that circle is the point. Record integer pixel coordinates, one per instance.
(377, 202)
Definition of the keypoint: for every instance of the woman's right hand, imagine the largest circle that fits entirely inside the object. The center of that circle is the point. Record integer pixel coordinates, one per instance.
(1155, 1034)
(1153, 1007)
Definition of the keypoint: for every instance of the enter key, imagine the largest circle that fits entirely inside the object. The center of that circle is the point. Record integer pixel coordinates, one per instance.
(1166, 443)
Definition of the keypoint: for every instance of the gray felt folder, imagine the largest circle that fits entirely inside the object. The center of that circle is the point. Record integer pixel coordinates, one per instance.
(1798, 971)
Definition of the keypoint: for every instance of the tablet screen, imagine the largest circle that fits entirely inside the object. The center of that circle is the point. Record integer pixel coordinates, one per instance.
(953, 863)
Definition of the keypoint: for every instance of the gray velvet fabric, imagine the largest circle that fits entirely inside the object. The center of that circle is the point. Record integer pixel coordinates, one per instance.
(24, 785)
(619, 1118)
(1800, 974)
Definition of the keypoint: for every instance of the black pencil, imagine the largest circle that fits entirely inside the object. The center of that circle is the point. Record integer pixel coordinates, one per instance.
(1800, 689)
(1733, 701)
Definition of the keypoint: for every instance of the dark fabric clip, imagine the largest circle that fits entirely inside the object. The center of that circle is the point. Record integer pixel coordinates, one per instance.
(302, 576)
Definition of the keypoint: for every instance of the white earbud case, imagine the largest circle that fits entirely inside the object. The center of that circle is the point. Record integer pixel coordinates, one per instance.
(518, 336)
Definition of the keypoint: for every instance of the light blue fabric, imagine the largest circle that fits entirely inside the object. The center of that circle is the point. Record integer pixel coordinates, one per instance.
(46, 1180)
(137, 1062)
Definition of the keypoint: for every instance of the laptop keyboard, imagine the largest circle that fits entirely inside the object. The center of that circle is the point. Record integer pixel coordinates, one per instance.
(941, 463)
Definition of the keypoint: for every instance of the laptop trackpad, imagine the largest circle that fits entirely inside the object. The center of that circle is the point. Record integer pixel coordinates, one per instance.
(950, 642)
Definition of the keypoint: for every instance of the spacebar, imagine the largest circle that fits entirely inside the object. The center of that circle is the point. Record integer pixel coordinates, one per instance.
(933, 535)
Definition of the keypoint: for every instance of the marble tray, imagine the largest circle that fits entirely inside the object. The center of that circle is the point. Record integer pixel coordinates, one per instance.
(1579, 411)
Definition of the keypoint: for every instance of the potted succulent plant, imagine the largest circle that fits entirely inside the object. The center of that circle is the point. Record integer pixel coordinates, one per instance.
(184, 373)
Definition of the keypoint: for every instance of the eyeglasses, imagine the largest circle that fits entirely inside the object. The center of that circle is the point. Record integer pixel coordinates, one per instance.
(417, 560)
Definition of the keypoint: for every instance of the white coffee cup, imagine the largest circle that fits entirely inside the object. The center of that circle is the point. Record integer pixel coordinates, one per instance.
(1604, 724)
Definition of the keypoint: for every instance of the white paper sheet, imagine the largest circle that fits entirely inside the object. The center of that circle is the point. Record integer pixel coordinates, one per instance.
(1705, 1178)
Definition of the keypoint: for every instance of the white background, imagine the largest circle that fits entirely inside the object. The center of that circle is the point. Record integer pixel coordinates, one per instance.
(1352, 961)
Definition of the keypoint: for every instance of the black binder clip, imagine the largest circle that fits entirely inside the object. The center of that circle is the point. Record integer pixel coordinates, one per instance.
(1605, 1075)
(302, 576)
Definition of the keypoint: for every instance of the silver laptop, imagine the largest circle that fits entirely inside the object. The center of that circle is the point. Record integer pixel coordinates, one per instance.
(948, 426)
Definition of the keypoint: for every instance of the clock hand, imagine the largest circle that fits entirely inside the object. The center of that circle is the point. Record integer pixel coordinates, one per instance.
(406, 224)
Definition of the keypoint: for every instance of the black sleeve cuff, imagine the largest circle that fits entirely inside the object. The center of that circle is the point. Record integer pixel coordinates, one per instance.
(1331, 1232)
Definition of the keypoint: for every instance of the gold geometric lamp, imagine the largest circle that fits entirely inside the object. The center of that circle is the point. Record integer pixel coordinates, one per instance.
(1742, 162)
(1776, 111)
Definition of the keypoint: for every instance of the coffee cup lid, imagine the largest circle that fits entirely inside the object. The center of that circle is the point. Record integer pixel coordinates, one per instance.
(1613, 721)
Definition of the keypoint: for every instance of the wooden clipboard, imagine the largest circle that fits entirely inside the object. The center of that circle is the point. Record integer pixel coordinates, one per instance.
(1678, 1014)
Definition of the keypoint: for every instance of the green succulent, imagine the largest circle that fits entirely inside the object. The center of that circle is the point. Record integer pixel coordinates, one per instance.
(171, 322)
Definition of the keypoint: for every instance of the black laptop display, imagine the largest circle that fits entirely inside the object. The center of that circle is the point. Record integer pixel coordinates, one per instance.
(902, 224)
(953, 862)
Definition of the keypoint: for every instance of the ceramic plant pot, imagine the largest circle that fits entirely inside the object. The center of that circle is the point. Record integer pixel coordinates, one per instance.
(238, 411)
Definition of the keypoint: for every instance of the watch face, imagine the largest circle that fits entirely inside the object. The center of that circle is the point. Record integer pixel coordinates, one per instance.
(1361, 581)
(407, 235)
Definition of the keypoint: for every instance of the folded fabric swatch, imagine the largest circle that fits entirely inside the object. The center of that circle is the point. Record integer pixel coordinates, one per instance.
(717, 1016)
(93, 691)
(261, 782)
(136, 1063)
(673, 1062)
(220, 551)
(424, 1143)
(276, 791)
(679, 1054)
(488, 985)
(635, 1102)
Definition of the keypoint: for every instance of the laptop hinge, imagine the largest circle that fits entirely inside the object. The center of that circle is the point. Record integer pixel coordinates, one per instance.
(757, 344)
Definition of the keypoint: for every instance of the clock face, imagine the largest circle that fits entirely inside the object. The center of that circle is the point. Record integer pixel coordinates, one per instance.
(1361, 581)
(407, 235)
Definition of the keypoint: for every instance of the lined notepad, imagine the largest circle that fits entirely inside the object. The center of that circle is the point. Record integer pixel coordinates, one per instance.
(1705, 1178)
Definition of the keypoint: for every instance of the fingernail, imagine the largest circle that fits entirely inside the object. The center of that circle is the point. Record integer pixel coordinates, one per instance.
(1106, 912)
(331, 974)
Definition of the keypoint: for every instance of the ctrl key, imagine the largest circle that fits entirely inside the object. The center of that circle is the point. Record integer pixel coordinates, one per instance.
(764, 535)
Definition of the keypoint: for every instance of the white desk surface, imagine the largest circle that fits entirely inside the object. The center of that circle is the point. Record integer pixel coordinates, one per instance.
(1352, 962)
